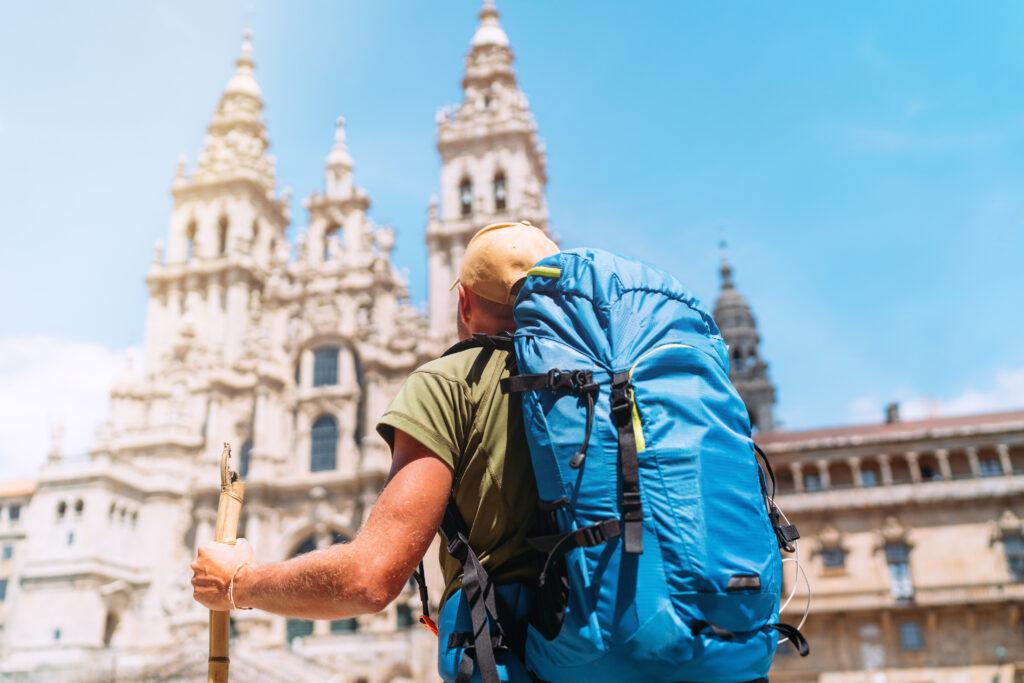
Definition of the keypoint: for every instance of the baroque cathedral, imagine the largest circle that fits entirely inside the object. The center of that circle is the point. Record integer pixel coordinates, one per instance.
(913, 538)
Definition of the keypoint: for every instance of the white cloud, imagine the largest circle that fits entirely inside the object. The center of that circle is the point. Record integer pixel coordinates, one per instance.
(1006, 392)
(47, 382)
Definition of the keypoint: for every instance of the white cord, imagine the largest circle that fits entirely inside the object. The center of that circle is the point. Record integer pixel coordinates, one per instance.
(800, 572)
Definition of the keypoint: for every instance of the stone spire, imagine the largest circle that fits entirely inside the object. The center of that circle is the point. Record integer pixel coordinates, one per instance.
(748, 372)
(339, 165)
(236, 141)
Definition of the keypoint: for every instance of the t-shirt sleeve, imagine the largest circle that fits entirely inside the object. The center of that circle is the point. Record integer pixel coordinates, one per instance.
(435, 409)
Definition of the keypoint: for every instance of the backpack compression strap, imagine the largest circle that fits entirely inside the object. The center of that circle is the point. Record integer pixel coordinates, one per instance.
(629, 465)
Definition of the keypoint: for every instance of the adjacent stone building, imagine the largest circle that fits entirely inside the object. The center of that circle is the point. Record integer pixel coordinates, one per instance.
(913, 532)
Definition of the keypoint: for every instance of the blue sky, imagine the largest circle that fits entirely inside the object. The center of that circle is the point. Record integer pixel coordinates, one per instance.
(864, 160)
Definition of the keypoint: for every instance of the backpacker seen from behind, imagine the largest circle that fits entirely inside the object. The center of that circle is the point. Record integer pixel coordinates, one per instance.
(657, 533)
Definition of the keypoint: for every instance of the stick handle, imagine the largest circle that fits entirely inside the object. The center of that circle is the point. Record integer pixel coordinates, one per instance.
(228, 510)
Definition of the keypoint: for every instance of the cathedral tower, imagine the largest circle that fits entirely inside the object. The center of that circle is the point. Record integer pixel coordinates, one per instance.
(748, 372)
(226, 230)
(493, 166)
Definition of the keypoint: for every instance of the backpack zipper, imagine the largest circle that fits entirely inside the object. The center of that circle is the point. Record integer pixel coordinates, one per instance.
(638, 429)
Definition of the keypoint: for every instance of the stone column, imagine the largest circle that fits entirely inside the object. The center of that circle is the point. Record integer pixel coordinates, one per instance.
(885, 468)
(915, 468)
(798, 476)
(942, 455)
(855, 470)
(972, 459)
(206, 521)
(1004, 458)
(826, 481)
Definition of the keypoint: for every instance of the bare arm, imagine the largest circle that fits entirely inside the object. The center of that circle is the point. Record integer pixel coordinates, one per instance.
(348, 579)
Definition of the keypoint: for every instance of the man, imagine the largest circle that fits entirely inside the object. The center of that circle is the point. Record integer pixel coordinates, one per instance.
(453, 434)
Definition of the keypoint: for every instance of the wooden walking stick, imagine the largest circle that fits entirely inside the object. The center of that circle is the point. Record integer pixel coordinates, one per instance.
(228, 509)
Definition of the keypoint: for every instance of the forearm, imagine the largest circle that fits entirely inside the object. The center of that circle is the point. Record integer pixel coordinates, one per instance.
(323, 584)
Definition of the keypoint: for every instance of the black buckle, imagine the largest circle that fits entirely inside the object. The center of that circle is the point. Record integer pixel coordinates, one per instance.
(632, 506)
(458, 548)
(622, 404)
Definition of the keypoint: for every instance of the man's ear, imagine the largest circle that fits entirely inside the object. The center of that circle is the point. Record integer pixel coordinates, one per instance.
(465, 305)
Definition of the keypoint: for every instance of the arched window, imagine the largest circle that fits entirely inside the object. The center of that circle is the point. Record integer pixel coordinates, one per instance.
(332, 232)
(500, 191)
(325, 366)
(190, 240)
(222, 235)
(79, 507)
(324, 448)
(466, 196)
(109, 628)
(243, 459)
(62, 509)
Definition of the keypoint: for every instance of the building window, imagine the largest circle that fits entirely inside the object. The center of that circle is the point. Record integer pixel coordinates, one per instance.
(1013, 547)
(62, 509)
(325, 366)
(990, 467)
(190, 240)
(7, 552)
(466, 197)
(812, 482)
(298, 628)
(897, 556)
(332, 232)
(910, 636)
(222, 235)
(403, 616)
(344, 626)
(3, 589)
(110, 627)
(833, 557)
(56, 634)
(79, 507)
(14, 512)
(868, 478)
(500, 191)
(71, 538)
(243, 459)
(324, 450)
(357, 435)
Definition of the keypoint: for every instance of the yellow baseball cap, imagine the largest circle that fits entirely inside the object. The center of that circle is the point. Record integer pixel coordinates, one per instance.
(499, 256)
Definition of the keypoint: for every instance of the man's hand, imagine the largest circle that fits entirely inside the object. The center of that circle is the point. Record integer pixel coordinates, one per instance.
(213, 569)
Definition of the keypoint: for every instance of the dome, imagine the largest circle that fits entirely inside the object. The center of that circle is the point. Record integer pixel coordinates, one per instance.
(489, 32)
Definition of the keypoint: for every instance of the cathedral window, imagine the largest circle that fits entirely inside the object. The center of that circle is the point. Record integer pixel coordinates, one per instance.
(190, 240)
(361, 405)
(243, 459)
(812, 482)
(331, 234)
(79, 507)
(868, 478)
(344, 625)
(62, 510)
(910, 636)
(500, 191)
(1013, 547)
(466, 197)
(14, 512)
(222, 235)
(325, 366)
(833, 557)
(897, 556)
(71, 538)
(403, 616)
(3, 589)
(324, 449)
(8, 552)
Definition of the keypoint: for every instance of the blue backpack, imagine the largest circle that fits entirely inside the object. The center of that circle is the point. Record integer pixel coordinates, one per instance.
(657, 534)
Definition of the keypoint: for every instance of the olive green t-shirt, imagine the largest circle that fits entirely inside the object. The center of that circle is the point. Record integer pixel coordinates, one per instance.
(454, 407)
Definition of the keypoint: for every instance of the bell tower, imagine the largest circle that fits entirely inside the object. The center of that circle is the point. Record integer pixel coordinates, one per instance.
(493, 166)
(227, 229)
(747, 370)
